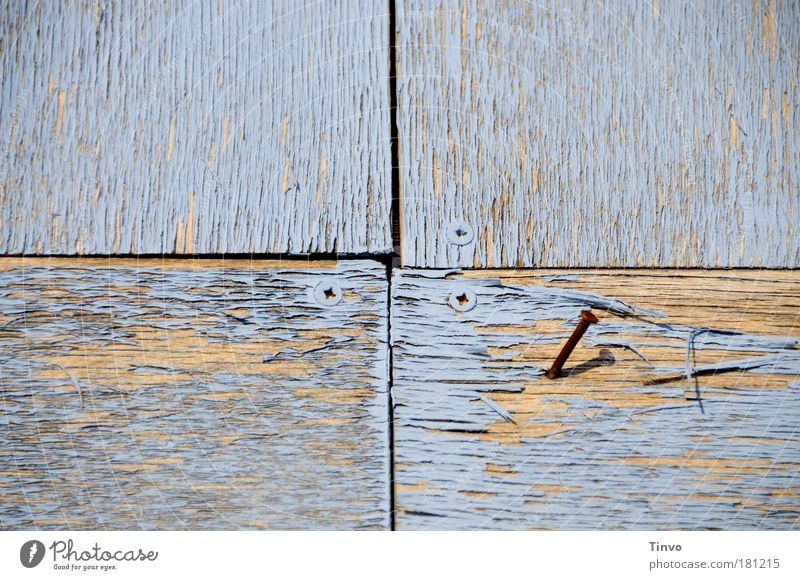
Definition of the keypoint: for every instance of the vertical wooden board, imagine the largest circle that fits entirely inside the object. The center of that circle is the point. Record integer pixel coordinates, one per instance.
(679, 409)
(599, 134)
(194, 127)
(193, 395)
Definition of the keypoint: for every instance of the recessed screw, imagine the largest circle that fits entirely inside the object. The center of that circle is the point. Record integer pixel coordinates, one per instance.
(462, 300)
(587, 318)
(328, 293)
(460, 233)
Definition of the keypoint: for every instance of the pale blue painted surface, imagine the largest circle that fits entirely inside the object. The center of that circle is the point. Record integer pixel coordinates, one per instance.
(600, 134)
(140, 396)
(482, 440)
(194, 127)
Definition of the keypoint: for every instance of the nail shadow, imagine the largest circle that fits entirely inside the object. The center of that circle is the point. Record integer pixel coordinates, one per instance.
(604, 359)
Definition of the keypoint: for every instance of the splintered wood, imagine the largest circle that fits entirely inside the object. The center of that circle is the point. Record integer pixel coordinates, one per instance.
(678, 409)
(201, 395)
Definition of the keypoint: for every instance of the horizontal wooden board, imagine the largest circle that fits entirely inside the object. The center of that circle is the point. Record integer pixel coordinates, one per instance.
(194, 127)
(566, 133)
(193, 395)
(679, 409)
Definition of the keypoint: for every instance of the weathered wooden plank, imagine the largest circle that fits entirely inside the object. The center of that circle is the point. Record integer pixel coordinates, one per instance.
(193, 394)
(629, 438)
(599, 134)
(194, 127)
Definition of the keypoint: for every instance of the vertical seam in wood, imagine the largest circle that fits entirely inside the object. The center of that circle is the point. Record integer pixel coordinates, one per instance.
(390, 397)
(396, 221)
(396, 217)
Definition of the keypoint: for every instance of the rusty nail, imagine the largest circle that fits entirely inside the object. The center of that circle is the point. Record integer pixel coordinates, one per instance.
(587, 318)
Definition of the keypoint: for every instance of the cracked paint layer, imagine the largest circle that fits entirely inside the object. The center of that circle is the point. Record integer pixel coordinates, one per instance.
(194, 127)
(565, 133)
(678, 409)
(192, 394)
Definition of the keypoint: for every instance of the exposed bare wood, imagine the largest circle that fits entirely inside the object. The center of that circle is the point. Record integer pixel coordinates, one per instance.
(191, 394)
(194, 127)
(679, 409)
(566, 133)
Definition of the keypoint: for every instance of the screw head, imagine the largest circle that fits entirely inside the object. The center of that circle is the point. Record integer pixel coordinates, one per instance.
(462, 300)
(460, 233)
(327, 293)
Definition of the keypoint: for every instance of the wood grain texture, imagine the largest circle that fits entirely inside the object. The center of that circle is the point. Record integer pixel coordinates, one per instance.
(600, 134)
(642, 432)
(193, 395)
(194, 127)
